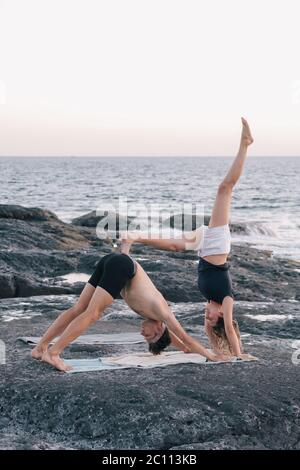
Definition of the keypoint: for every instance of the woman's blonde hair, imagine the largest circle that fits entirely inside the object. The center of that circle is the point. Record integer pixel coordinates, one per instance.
(221, 339)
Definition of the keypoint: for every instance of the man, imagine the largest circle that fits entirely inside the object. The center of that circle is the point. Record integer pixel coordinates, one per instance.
(118, 273)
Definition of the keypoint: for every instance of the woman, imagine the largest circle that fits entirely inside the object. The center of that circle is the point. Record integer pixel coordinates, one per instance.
(213, 246)
(118, 273)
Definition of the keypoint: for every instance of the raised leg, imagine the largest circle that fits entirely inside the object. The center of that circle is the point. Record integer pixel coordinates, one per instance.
(100, 300)
(221, 210)
(64, 319)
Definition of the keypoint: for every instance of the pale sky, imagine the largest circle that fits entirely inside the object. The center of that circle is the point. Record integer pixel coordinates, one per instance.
(148, 77)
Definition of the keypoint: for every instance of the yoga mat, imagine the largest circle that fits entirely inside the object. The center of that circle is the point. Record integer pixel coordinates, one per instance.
(141, 361)
(89, 365)
(114, 338)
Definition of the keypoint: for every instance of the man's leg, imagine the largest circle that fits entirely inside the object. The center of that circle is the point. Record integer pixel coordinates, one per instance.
(100, 300)
(221, 209)
(63, 321)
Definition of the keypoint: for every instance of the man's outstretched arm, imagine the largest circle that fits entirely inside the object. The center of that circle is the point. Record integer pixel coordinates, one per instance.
(177, 343)
(188, 341)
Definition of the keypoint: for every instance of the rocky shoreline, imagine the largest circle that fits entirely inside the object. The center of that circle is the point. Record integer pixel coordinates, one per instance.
(242, 406)
(37, 248)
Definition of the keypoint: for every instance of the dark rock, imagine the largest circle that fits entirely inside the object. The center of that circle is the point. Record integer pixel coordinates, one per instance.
(113, 219)
(46, 235)
(14, 285)
(26, 287)
(4, 422)
(88, 220)
(186, 221)
(7, 285)
(242, 406)
(230, 442)
(8, 211)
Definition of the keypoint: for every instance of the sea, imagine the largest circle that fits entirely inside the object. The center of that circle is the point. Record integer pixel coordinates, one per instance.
(266, 199)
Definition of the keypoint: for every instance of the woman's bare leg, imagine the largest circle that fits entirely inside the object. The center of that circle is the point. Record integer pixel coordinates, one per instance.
(100, 300)
(64, 319)
(221, 209)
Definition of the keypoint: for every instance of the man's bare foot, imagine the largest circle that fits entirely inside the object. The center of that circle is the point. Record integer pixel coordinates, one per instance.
(55, 361)
(38, 352)
(246, 137)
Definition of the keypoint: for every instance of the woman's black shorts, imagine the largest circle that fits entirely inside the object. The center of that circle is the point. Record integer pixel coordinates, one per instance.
(214, 281)
(112, 272)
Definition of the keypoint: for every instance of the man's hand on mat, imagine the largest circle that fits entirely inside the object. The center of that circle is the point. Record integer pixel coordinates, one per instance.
(55, 361)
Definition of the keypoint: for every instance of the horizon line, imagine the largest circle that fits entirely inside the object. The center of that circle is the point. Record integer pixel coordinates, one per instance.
(144, 156)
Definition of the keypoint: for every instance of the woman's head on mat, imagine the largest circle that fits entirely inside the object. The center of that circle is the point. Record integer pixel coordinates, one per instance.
(221, 337)
(213, 312)
(156, 334)
(215, 321)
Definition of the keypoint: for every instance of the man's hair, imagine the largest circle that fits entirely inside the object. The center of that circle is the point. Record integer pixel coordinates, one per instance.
(163, 342)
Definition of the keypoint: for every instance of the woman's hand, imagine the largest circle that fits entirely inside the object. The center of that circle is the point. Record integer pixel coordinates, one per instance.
(248, 357)
(220, 358)
(229, 358)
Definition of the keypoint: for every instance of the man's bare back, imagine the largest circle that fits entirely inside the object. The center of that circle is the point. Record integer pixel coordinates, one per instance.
(142, 296)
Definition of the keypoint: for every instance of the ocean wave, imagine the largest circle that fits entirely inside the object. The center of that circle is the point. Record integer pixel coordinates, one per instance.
(254, 228)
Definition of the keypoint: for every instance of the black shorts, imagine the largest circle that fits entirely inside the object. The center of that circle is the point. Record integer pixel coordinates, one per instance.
(112, 272)
(214, 281)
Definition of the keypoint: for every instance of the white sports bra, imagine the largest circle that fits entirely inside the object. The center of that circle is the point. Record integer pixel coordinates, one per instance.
(215, 241)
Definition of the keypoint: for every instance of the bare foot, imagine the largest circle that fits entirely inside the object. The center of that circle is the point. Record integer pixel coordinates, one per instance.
(246, 137)
(125, 246)
(38, 352)
(55, 361)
